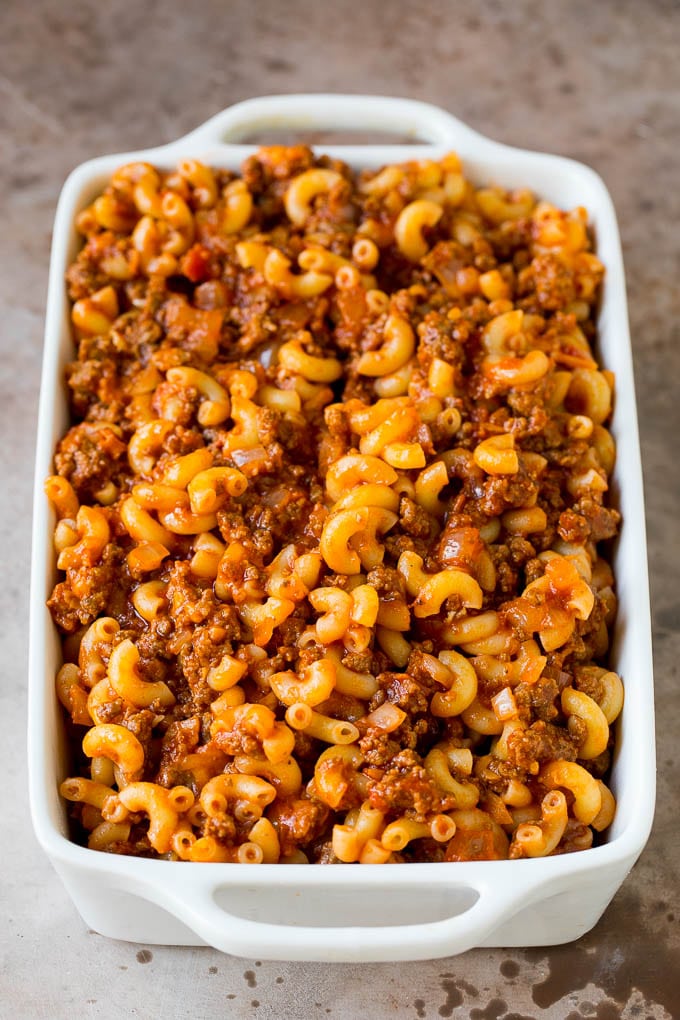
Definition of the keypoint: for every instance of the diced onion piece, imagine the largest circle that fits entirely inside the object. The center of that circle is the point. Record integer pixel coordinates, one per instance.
(504, 705)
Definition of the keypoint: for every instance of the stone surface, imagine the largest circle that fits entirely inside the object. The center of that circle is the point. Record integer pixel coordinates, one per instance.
(599, 82)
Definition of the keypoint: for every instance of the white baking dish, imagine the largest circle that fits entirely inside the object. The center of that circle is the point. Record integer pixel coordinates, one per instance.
(345, 912)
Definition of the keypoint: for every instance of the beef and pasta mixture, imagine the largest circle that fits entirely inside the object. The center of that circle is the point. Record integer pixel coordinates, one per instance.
(329, 518)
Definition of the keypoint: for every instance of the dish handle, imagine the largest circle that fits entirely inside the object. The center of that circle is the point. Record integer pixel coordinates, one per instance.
(328, 112)
(476, 908)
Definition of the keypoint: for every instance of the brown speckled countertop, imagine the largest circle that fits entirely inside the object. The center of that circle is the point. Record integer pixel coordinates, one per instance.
(599, 81)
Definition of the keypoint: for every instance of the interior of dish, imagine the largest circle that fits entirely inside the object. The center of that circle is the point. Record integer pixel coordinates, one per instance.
(330, 516)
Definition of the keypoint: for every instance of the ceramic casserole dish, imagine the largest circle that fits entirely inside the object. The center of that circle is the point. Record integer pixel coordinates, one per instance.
(346, 913)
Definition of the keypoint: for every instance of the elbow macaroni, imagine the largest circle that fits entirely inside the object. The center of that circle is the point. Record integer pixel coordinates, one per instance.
(327, 521)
